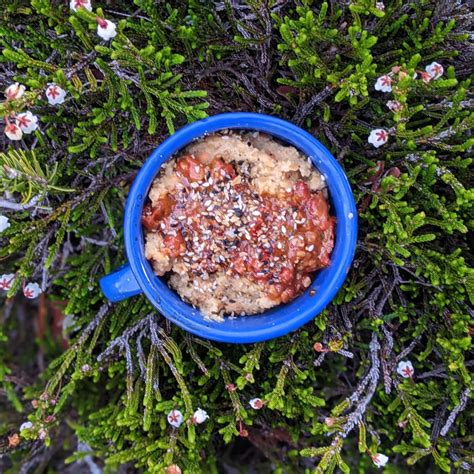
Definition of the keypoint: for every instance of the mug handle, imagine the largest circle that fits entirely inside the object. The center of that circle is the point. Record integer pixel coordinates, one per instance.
(120, 284)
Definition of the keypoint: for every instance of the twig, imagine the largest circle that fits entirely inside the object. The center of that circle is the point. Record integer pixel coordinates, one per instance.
(408, 349)
(93, 324)
(440, 371)
(387, 350)
(303, 111)
(14, 206)
(457, 409)
(371, 380)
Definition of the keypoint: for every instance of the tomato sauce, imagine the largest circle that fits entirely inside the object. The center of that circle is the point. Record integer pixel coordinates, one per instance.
(213, 223)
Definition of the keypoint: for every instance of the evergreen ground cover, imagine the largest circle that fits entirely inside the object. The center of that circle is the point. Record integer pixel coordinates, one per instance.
(383, 372)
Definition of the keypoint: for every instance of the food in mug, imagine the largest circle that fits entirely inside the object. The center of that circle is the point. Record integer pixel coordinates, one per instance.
(239, 223)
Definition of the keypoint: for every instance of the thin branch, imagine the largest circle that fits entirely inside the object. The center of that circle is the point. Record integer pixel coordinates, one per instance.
(15, 206)
(457, 409)
(369, 380)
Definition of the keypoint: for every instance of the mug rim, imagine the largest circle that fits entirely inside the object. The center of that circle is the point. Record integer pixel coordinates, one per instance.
(245, 329)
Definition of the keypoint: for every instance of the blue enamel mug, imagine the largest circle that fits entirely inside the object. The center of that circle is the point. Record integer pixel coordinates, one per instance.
(137, 276)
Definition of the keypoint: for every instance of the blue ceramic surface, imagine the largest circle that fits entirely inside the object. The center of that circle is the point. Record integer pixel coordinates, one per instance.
(137, 276)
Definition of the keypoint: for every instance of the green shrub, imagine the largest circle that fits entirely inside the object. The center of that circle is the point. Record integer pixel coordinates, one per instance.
(79, 368)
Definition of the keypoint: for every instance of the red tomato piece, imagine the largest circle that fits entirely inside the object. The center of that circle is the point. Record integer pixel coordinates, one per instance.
(152, 216)
(221, 170)
(239, 265)
(288, 294)
(301, 191)
(256, 226)
(318, 208)
(327, 243)
(174, 244)
(286, 275)
(190, 168)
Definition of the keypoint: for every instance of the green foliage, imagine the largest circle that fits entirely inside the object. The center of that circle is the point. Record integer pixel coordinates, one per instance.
(108, 375)
(22, 173)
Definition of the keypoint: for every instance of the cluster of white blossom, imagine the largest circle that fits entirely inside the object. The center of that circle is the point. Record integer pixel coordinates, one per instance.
(30, 290)
(17, 124)
(433, 71)
(175, 417)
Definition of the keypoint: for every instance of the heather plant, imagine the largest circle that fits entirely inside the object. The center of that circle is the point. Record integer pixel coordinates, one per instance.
(380, 379)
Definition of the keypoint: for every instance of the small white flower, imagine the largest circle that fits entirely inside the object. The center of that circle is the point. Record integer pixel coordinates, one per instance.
(13, 131)
(384, 84)
(380, 6)
(55, 94)
(200, 416)
(75, 4)
(42, 433)
(175, 418)
(379, 459)
(14, 91)
(6, 280)
(394, 105)
(378, 137)
(11, 173)
(4, 223)
(405, 369)
(256, 403)
(32, 290)
(105, 28)
(27, 121)
(435, 70)
(27, 425)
